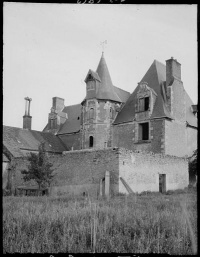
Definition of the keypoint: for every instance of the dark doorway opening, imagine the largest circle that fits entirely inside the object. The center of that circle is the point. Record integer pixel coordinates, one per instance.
(144, 131)
(162, 183)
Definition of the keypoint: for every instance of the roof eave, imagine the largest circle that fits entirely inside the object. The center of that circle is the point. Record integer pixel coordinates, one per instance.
(191, 126)
(70, 133)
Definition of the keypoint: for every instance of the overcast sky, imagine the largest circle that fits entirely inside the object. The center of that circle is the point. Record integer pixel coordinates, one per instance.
(49, 48)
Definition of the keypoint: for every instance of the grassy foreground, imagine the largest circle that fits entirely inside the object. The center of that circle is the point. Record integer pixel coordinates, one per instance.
(147, 223)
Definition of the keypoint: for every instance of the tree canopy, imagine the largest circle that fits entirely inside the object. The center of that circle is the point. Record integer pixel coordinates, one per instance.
(39, 168)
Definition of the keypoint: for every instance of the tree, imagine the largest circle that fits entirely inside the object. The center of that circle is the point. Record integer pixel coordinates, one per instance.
(193, 166)
(39, 168)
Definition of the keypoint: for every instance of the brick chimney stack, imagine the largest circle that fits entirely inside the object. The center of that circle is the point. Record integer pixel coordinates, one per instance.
(173, 70)
(27, 118)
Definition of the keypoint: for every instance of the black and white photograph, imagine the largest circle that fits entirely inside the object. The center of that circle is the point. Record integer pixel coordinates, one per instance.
(100, 110)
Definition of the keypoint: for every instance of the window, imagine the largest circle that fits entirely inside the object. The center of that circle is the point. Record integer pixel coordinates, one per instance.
(144, 104)
(91, 113)
(90, 77)
(91, 141)
(52, 123)
(111, 113)
(144, 131)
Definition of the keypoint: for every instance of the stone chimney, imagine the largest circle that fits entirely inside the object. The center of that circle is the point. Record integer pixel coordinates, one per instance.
(27, 118)
(175, 90)
(58, 103)
(173, 70)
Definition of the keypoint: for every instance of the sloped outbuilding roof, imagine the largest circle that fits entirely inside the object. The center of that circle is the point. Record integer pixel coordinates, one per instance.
(17, 139)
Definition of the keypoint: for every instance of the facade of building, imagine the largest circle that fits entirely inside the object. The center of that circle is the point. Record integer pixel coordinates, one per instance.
(113, 141)
(157, 117)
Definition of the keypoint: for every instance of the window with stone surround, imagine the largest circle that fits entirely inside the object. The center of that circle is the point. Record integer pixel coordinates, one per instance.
(111, 113)
(143, 131)
(91, 113)
(143, 104)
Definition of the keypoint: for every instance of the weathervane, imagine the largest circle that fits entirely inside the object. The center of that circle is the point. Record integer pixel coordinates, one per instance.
(103, 45)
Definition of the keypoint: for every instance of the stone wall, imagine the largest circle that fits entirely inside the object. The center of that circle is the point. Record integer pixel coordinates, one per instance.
(126, 136)
(175, 138)
(178, 102)
(99, 127)
(157, 135)
(80, 171)
(141, 171)
(191, 140)
(77, 171)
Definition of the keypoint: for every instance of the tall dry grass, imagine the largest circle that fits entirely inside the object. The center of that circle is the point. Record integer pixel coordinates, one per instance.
(149, 223)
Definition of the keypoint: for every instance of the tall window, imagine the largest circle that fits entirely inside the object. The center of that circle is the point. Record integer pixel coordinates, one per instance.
(111, 113)
(53, 123)
(91, 113)
(91, 141)
(143, 104)
(144, 131)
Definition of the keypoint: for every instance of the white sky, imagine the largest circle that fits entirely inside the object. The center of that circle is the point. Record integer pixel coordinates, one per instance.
(49, 48)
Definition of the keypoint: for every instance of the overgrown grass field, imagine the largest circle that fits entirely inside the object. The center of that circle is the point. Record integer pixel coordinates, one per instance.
(146, 223)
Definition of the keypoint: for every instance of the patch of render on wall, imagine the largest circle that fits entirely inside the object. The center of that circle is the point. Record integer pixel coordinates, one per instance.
(142, 174)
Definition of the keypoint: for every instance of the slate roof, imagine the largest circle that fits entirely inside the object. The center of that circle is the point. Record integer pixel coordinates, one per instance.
(5, 159)
(122, 94)
(190, 117)
(155, 75)
(94, 74)
(72, 124)
(17, 139)
(106, 89)
(156, 79)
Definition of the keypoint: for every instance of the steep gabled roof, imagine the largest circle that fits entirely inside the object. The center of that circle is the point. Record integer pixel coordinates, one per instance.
(72, 124)
(16, 140)
(155, 76)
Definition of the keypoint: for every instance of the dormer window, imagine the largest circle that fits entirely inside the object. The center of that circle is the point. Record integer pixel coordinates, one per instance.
(90, 77)
(144, 104)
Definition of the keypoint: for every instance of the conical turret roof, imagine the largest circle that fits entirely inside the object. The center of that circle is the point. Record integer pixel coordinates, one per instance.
(106, 89)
